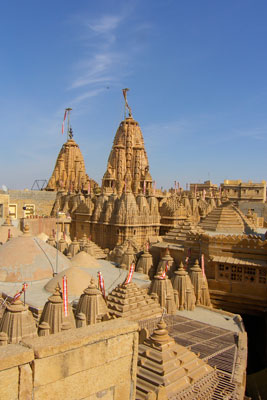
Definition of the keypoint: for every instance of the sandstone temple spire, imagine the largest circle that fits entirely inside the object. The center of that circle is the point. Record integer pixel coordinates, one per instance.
(128, 167)
(69, 173)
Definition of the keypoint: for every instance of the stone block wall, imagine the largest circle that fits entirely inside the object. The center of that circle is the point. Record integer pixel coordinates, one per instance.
(42, 200)
(94, 362)
(4, 200)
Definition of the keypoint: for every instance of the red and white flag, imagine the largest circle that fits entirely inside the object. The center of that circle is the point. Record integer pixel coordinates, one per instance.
(65, 114)
(130, 274)
(203, 264)
(101, 284)
(164, 273)
(18, 294)
(65, 295)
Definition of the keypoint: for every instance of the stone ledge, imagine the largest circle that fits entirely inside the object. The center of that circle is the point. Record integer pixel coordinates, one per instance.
(13, 355)
(74, 338)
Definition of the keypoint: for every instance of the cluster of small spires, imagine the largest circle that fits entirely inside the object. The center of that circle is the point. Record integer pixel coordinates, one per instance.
(71, 248)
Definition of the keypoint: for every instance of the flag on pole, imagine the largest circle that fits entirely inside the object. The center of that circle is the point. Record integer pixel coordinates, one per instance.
(65, 114)
(203, 265)
(130, 274)
(124, 91)
(101, 284)
(164, 273)
(65, 295)
(18, 294)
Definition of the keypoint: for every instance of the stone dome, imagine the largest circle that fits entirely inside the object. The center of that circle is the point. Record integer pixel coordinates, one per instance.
(78, 280)
(84, 260)
(28, 258)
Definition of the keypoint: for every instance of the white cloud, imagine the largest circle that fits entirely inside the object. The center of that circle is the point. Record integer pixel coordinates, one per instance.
(87, 95)
(105, 24)
(105, 60)
(97, 69)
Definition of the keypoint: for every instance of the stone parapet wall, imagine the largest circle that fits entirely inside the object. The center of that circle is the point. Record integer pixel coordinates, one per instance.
(97, 361)
(38, 225)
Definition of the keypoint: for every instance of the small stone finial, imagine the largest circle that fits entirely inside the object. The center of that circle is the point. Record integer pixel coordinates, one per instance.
(7, 221)
(181, 270)
(56, 296)
(26, 230)
(70, 133)
(160, 334)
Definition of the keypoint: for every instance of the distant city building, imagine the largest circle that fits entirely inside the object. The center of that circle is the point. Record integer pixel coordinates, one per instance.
(236, 190)
(207, 185)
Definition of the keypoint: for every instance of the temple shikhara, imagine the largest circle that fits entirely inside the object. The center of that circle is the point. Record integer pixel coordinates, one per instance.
(121, 291)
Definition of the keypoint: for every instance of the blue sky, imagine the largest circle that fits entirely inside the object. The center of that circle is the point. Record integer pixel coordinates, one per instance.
(197, 73)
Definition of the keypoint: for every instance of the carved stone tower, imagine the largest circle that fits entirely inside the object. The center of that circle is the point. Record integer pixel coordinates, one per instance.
(69, 173)
(128, 163)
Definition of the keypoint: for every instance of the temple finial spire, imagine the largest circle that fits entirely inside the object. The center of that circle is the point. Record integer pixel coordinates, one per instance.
(68, 110)
(124, 91)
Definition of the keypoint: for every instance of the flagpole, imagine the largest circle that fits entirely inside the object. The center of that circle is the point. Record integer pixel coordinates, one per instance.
(68, 111)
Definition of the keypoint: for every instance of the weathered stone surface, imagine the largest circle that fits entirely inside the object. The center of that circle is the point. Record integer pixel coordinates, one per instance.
(85, 383)
(62, 365)
(25, 382)
(107, 394)
(14, 355)
(75, 338)
(9, 380)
